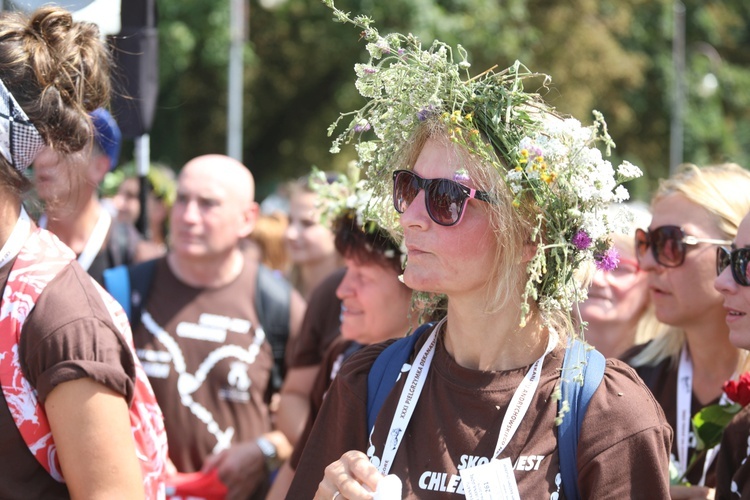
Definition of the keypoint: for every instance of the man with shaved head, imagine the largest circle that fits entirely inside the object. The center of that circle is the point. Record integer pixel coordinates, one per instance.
(200, 338)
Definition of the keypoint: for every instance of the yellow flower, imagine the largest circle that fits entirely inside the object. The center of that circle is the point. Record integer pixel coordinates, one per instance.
(548, 177)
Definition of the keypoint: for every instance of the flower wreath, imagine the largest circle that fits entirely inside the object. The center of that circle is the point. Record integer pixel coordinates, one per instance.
(349, 196)
(549, 162)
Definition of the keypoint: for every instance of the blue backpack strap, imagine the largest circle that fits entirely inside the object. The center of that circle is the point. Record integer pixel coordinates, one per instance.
(129, 285)
(117, 283)
(582, 372)
(385, 371)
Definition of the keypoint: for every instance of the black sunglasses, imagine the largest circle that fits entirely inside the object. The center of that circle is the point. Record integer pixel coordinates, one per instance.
(669, 244)
(444, 199)
(738, 259)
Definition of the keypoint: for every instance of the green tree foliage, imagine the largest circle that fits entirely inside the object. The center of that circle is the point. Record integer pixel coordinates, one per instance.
(610, 55)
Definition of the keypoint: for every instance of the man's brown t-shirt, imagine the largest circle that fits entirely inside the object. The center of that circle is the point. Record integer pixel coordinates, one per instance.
(208, 364)
(623, 446)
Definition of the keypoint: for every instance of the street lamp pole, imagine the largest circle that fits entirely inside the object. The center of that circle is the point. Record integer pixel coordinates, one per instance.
(234, 92)
(678, 104)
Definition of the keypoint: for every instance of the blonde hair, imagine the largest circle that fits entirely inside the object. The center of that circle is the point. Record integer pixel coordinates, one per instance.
(512, 232)
(723, 190)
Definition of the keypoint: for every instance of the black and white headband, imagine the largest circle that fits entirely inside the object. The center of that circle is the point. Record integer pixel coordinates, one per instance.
(20, 141)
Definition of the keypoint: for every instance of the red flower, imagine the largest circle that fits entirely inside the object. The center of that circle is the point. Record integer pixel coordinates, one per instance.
(739, 390)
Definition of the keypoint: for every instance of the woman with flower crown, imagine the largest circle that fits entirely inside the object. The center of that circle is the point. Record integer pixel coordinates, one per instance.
(733, 282)
(501, 205)
(78, 417)
(693, 211)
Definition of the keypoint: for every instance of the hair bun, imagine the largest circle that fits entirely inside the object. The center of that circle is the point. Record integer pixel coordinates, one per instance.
(58, 70)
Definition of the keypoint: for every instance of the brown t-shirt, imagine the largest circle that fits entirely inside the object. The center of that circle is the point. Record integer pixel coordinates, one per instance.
(208, 365)
(339, 351)
(661, 379)
(623, 447)
(67, 336)
(321, 324)
(733, 461)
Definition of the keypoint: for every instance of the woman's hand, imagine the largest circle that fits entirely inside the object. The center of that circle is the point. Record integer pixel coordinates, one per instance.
(351, 477)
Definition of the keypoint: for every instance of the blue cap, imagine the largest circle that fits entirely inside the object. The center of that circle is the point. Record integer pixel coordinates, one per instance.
(107, 134)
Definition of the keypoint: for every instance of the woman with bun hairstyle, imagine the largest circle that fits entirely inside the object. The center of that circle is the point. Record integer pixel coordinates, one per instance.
(78, 417)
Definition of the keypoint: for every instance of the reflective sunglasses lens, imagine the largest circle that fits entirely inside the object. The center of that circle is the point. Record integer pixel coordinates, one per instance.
(723, 259)
(405, 189)
(445, 200)
(740, 258)
(669, 250)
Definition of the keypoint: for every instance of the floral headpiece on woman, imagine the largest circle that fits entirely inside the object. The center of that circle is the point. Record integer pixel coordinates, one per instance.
(548, 162)
(348, 200)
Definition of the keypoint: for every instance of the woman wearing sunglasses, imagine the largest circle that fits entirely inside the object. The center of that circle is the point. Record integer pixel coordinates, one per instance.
(501, 203)
(693, 211)
(733, 282)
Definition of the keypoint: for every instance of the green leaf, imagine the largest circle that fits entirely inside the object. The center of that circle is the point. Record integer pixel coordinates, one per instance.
(709, 423)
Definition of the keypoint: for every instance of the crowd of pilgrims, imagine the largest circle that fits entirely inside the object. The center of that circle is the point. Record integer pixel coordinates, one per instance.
(243, 314)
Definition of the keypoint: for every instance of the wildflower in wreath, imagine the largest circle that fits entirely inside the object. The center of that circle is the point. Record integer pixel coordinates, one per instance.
(349, 196)
(559, 178)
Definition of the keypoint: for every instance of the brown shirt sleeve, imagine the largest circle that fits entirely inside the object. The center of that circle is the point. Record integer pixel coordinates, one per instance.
(69, 335)
(733, 460)
(625, 440)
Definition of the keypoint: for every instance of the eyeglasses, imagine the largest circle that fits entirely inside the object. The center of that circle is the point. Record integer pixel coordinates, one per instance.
(668, 244)
(738, 259)
(444, 199)
(626, 267)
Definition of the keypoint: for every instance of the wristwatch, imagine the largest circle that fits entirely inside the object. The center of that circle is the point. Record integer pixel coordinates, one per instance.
(273, 462)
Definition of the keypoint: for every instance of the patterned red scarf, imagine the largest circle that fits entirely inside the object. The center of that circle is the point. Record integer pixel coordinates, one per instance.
(42, 258)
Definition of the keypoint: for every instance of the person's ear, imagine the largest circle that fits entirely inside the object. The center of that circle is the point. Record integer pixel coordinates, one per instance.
(529, 250)
(249, 218)
(98, 168)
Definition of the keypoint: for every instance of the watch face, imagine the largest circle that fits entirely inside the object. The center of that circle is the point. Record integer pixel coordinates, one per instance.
(269, 452)
(267, 447)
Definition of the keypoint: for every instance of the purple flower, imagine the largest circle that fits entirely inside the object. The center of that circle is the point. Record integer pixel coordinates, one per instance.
(362, 126)
(581, 240)
(425, 113)
(608, 260)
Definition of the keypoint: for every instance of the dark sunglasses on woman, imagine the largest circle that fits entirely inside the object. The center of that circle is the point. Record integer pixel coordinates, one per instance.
(737, 259)
(668, 244)
(444, 199)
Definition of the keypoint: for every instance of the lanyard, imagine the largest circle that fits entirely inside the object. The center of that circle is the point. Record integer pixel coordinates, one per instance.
(96, 238)
(519, 403)
(16, 239)
(684, 416)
